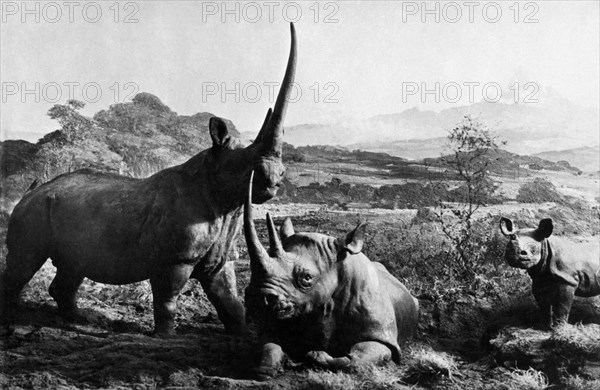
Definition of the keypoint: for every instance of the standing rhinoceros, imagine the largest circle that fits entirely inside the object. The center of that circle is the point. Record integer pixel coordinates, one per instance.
(179, 223)
(320, 299)
(559, 269)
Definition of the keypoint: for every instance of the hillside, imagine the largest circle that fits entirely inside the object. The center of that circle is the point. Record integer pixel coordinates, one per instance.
(392, 164)
(586, 158)
(134, 139)
(412, 149)
(503, 160)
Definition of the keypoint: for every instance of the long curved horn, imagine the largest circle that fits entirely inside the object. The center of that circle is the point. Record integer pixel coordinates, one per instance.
(273, 138)
(506, 226)
(259, 257)
(275, 247)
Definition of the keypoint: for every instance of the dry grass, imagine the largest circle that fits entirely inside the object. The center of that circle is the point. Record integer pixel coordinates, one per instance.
(368, 377)
(577, 383)
(578, 339)
(426, 366)
(325, 380)
(529, 379)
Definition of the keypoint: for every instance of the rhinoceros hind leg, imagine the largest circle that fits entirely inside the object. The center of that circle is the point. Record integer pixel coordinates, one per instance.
(64, 291)
(20, 268)
(166, 286)
(221, 290)
(370, 352)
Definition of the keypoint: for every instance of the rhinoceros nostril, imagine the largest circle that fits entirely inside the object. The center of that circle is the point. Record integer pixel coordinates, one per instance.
(271, 299)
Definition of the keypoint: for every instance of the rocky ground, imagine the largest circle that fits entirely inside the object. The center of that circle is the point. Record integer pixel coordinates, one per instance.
(464, 341)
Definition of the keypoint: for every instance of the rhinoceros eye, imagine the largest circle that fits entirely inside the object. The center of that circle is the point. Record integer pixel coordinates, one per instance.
(533, 248)
(304, 279)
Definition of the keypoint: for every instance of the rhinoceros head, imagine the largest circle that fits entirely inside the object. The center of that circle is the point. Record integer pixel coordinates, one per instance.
(299, 273)
(232, 164)
(526, 246)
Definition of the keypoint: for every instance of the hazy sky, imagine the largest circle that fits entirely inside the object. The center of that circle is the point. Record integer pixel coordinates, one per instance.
(367, 60)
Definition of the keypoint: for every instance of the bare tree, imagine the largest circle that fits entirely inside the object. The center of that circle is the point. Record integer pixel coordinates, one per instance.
(471, 159)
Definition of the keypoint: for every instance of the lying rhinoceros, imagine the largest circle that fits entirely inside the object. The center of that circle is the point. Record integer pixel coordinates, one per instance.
(559, 269)
(320, 299)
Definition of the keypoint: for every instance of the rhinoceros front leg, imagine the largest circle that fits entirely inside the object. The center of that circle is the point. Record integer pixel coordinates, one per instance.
(544, 298)
(562, 304)
(271, 362)
(367, 352)
(221, 290)
(166, 286)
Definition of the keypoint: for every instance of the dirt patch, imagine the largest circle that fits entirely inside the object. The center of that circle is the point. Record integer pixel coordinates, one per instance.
(115, 348)
(90, 357)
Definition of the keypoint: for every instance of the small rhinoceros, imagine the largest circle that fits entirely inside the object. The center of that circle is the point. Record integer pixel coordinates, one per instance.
(320, 299)
(559, 269)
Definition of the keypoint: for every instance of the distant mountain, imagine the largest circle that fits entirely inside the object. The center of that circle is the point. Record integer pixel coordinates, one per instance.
(527, 128)
(517, 141)
(586, 158)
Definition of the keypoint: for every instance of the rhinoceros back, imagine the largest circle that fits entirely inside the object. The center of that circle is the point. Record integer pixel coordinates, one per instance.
(388, 312)
(405, 305)
(575, 263)
(70, 218)
(81, 191)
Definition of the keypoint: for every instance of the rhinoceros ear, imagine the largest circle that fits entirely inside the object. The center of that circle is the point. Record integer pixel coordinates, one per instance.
(218, 131)
(287, 229)
(545, 228)
(507, 226)
(355, 239)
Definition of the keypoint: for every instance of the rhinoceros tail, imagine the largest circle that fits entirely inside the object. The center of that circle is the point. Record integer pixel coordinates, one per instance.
(33, 186)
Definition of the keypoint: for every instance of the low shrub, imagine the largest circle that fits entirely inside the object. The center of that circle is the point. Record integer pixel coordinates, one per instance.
(539, 190)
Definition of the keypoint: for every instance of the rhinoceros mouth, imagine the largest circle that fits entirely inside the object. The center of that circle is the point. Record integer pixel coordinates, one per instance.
(518, 261)
(523, 262)
(285, 312)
